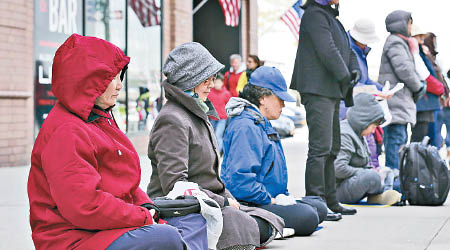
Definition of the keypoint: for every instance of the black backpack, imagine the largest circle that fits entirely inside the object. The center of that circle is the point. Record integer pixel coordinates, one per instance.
(424, 176)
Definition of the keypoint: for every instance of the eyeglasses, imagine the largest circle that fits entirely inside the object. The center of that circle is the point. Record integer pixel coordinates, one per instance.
(212, 78)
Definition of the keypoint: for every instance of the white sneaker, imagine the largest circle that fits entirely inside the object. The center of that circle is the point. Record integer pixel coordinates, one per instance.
(286, 233)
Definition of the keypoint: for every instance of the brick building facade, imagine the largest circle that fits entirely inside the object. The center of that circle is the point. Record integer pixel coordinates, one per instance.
(16, 87)
(17, 26)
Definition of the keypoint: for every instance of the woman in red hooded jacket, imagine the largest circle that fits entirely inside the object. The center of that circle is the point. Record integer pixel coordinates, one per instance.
(83, 185)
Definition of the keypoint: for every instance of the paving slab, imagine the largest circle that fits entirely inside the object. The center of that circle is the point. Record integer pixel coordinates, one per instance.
(396, 228)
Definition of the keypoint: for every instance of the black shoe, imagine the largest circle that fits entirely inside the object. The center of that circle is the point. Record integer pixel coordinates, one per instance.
(338, 208)
(333, 216)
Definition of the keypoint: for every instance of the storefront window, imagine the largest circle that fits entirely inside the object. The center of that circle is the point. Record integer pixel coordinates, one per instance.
(55, 21)
(106, 19)
(144, 72)
(112, 20)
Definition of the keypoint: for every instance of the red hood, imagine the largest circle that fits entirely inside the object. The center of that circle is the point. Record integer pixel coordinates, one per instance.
(83, 67)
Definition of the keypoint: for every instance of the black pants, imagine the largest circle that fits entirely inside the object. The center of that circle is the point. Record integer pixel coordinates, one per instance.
(420, 130)
(322, 117)
(302, 217)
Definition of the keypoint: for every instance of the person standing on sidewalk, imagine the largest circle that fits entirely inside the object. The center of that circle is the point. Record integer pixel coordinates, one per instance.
(83, 185)
(231, 77)
(325, 70)
(429, 103)
(253, 63)
(219, 97)
(434, 130)
(398, 66)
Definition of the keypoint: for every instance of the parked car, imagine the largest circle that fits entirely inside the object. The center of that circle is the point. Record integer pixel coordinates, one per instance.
(296, 114)
(284, 126)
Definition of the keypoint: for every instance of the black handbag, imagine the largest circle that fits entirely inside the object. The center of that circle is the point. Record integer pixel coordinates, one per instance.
(180, 206)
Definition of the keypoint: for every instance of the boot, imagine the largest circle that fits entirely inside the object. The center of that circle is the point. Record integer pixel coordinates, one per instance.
(338, 208)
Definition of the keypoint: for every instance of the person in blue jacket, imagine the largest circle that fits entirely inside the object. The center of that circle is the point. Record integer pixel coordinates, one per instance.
(362, 34)
(254, 167)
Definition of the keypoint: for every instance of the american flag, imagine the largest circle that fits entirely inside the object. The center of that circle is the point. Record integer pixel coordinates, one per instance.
(147, 11)
(231, 9)
(292, 18)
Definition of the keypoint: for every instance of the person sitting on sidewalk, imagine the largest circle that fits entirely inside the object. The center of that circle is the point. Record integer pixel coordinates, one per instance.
(355, 177)
(83, 185)
(183, 148)
(254, 166)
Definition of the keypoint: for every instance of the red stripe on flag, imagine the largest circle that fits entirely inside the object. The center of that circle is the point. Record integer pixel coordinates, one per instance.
(291, 28)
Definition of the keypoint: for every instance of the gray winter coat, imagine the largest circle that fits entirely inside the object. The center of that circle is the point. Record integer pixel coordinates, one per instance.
(397, 65)
(354, 154)
(183, 147)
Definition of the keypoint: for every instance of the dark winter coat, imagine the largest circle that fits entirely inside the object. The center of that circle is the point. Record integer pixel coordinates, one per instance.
(183, 147)
(84, 179)
(397, 65)
(324, 56)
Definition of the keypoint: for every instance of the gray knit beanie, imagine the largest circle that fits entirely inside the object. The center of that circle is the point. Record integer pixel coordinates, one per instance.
(190, 64)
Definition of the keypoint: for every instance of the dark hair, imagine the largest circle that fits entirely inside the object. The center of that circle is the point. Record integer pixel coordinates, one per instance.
(256, 60)
(220, 76)
(429, 41)
(253, 93)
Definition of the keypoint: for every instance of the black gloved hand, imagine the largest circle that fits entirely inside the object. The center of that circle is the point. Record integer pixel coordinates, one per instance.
(346, 80)
(356, 76)
(420, 93)
(150, 206)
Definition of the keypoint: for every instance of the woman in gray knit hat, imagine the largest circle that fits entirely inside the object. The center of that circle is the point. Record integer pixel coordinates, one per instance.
(183, 147)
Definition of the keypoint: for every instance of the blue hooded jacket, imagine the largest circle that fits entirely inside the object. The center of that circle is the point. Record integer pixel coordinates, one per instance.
(254, 167)
(361, 56)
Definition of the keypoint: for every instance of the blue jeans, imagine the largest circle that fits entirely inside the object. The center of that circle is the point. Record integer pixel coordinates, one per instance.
(443, 117)
(219, 129)
(395, 136)
(184, 232)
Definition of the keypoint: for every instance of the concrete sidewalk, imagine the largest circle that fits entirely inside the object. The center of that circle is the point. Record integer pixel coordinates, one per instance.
(396, 228)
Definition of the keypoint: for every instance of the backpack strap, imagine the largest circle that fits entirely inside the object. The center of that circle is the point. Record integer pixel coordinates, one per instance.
(403, 153)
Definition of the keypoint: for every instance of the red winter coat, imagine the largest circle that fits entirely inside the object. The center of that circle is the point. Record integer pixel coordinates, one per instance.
(219, 99)
(84, 179)
(230, 80)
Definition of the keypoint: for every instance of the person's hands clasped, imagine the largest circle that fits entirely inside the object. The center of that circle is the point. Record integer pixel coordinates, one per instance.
(234, 203)
(154, 211)
(384, 96)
